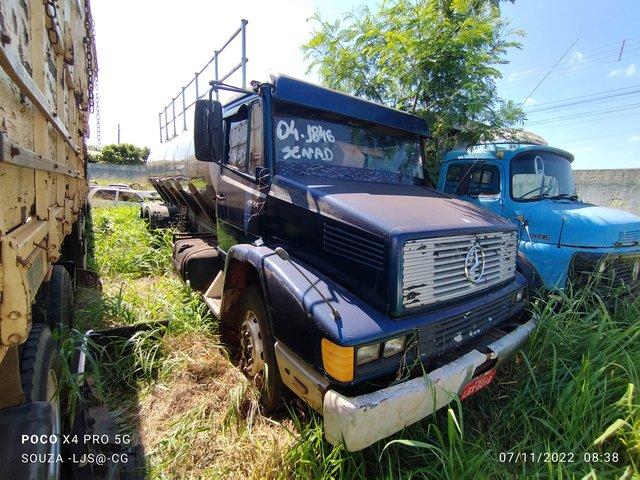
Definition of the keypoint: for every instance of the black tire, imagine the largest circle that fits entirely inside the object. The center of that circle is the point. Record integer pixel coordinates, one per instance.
(74, 247)
(267, 381)
(39, 361)
(60, 299)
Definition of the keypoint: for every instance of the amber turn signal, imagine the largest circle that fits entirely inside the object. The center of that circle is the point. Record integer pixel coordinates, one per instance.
(337, 360)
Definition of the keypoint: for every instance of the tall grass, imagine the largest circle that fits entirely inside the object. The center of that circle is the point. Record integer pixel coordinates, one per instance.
(572, 390)
(576, 377)
(126, 247)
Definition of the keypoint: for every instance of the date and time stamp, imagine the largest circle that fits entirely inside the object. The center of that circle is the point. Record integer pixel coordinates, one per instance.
(558, 457)
(514, 457)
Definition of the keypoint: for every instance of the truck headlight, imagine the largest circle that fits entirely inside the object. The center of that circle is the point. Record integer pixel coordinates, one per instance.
(520, 295)
(367, 353)
(394, 346)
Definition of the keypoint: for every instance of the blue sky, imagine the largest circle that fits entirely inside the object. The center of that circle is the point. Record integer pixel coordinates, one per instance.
(603, 132)
(146, 55)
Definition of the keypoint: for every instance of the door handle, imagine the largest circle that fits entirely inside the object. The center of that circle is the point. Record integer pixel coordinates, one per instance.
(221, 198)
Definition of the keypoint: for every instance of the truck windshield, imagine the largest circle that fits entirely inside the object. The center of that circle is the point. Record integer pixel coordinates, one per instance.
(539, 175)
(307, 143)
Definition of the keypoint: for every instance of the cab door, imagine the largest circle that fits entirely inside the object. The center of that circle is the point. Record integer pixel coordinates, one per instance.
(478, 182)
(240, 203)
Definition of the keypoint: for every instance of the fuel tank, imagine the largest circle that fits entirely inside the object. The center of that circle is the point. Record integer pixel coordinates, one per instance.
(175, 159)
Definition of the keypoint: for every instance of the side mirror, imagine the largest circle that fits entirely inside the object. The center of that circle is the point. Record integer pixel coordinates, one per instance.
(207, 130)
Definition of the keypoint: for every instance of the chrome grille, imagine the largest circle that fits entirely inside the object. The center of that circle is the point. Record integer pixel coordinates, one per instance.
(434, 268)
(630, 237)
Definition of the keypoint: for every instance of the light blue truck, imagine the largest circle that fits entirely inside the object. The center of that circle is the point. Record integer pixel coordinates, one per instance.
(561, 238)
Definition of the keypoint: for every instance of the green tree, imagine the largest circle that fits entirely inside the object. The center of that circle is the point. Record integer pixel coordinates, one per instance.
(435, 58)
(123, 154)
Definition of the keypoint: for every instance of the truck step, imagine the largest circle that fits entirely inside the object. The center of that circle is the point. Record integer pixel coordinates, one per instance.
(213, 295)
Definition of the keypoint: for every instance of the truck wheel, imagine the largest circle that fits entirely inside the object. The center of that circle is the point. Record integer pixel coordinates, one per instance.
(74, 247)
(39, 373)
(257, 358)
(60, 301)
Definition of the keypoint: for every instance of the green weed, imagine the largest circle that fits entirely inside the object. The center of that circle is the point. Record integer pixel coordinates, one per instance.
(572, 390)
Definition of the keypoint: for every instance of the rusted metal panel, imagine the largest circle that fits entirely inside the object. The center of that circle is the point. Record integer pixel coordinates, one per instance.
(46, 80)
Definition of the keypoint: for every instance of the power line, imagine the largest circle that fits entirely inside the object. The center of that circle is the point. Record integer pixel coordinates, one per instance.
(570, 70)
(549, 72)
(578, 103)
(588, 120)
(589, 114)
(603, 50)
(631, 132)
(586, 95)
(586, 63)
(584, 114)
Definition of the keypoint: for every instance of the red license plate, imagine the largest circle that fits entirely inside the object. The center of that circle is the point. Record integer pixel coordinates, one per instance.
(477, 384)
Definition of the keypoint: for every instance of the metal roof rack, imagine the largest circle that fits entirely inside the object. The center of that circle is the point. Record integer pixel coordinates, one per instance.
(170, 114)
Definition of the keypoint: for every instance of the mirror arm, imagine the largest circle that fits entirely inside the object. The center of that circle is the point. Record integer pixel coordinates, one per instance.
(217, 85)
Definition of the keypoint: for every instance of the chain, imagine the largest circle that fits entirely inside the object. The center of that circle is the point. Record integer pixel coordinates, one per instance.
(51, 10)
(97, 98)
(89, 45)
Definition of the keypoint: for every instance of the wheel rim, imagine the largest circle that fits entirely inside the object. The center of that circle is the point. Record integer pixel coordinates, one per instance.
(251, 348)
(54, 399)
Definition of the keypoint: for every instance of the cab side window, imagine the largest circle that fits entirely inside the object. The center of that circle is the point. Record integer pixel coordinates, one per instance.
(244, 140)
(485, 180)
(238, 144)
(481, 180)
(454, 174)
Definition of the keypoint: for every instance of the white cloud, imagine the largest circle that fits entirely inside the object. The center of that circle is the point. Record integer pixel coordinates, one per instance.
(521, 74)
(577, 57)
(576, 60)
(530, 102)
(630, 71)
(634, 138)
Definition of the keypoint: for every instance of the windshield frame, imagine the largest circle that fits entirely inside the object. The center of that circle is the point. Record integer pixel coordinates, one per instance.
(516, 157)
(288, 109)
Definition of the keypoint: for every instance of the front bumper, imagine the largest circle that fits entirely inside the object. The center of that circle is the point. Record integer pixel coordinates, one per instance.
(360, 421)
(607, 272)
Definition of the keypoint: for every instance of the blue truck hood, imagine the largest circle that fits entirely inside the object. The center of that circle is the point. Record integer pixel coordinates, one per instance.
(585, 225)
(386, 209)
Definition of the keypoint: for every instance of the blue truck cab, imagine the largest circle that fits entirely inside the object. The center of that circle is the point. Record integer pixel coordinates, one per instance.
(561, 239)
(334, 270)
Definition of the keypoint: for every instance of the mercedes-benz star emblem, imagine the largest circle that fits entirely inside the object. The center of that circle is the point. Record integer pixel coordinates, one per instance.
(474, 263)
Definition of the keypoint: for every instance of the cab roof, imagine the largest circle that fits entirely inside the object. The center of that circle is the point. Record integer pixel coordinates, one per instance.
(291, 90)
(504, 152)
(298, 92)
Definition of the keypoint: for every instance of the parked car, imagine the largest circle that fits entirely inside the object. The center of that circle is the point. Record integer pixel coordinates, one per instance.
(150, 196)
(113, 196)
(561, 238)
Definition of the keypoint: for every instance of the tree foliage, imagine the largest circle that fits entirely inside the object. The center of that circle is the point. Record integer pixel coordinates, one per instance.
(436, 58)
(123, 154)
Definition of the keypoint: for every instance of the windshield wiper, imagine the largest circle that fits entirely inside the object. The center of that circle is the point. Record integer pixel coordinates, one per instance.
(564, 195)
(554, 197)
(538, 196)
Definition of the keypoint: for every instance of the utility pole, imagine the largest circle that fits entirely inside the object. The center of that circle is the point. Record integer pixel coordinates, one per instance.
(118, 134)
(621, 49)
